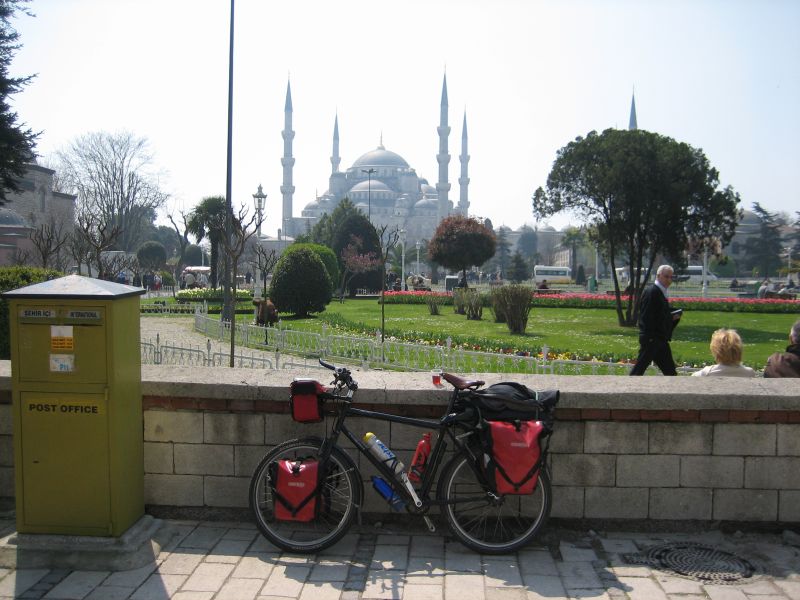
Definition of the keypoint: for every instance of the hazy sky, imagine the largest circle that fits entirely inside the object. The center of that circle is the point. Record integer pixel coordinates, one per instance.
(722, 75)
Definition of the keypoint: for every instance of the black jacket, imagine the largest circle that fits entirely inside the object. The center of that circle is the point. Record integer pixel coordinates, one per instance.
(784, 364)
(655, 314)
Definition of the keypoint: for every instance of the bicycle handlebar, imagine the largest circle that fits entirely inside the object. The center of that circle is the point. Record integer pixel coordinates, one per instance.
(341, 375)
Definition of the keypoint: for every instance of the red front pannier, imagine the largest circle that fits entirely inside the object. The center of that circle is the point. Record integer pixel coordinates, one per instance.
(514, 455)
(306, 400)
(295, 490)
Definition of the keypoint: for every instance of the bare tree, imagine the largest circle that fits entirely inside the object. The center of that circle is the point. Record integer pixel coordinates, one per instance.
(263, 262)
(388, 238)
(94, 236)
(49, 240)
(183, 243)
(112, 176)
(233, 248)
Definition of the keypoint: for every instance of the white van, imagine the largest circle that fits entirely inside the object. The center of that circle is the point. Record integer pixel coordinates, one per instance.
(694, 273)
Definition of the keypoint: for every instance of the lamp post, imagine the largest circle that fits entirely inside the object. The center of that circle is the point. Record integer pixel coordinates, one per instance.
(417, 244)
(259, 197)
(369, 173)
(403, 258)
(788, 263)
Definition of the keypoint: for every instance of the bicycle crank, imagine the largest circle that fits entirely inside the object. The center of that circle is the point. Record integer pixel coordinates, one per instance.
(429, 523)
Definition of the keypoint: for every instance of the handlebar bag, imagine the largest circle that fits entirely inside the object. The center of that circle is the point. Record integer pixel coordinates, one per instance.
(306, 400)
(295, 489)
(514, 455)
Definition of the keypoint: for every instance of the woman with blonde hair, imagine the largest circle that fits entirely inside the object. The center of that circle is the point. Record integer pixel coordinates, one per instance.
(726, 346)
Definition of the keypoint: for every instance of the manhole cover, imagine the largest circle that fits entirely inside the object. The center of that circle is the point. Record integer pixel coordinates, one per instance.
(698, 562)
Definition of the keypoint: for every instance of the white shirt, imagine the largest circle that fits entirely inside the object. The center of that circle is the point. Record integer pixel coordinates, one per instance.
(725, 371)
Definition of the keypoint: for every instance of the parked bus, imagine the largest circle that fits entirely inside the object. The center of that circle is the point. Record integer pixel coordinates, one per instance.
(552, 274)
(694, 273)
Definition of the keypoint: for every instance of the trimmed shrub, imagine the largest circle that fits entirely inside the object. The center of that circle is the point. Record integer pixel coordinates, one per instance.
(515, 303)
(300, 284)
(434, 302)
(12, 278)
(210, 294)
(473, 304)
(325, 254)
(497, 306)
(460, 301)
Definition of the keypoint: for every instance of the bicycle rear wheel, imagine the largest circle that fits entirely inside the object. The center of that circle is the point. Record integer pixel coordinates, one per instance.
(487, 523)
(339, 498)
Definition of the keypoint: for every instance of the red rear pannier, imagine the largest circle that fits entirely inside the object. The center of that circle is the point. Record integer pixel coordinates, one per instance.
(513, 448)
(306, 400)
(295, 490)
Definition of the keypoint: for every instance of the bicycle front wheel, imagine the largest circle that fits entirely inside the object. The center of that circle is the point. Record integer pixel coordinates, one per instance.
(487, 523)
(336, 503)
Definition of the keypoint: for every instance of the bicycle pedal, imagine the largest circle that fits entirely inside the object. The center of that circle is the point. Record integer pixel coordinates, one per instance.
(429, 523)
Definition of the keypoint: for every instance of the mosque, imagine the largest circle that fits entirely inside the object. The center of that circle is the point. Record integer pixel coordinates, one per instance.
(381, 184)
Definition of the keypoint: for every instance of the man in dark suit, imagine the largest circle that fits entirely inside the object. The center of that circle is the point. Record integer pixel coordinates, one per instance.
(656, 322)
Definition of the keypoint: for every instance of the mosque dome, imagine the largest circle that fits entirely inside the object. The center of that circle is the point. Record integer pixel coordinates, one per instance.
(428, 190)
(380, 157)
(430, 203)
(313, 205)
(9, 218)
(370, 187)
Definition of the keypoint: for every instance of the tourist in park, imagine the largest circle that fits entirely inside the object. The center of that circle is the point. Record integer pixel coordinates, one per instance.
(656, 322)
(786, 364)
(726, 347)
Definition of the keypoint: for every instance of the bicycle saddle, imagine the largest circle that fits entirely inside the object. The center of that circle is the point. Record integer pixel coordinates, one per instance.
(460, 383)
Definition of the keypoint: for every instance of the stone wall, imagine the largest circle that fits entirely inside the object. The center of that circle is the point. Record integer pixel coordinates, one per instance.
(624, 448)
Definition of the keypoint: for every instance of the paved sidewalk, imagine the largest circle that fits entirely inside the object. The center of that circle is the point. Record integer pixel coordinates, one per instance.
(231, 561)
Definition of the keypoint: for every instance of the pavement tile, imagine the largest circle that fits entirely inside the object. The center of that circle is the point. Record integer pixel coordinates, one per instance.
(678, 585)
(790, 588)
(502, 573)
(239, 589)
(203, 537)
(179, 530)
(420, 567)
(247, 535)
(132, 578)
(193, 596)
(427, 545)
(630, 570)
(539, 587)
(261, 544)
(762, 587)
(538, 562)
(687, 597)
(320, 591)
(20, 581)
(391, 539)
(618, 546)
(384, 585)
(390, 558)
(110, 592)
(347, 546)
(207, 577)
(228, 551)
(579, 575)
(181, 563)
(258, 566)
(572, 553)
(77, 585)
(423, 591)
(159, 587)
(724, 592)
(505, 594)
(286, 580)
(594, 594)
(329, 570)
(640, 588)
(464, 586)
(462, 563)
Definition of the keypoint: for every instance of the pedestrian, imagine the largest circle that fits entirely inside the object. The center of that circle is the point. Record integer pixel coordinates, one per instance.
(656, 322)
(726, 347)
(786, 364)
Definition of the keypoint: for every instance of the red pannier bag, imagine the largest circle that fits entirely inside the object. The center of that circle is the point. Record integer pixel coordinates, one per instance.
(514, 455)
(295, 490)
(306, 400)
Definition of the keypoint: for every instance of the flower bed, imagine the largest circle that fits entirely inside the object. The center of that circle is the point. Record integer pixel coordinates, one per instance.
(209, 294)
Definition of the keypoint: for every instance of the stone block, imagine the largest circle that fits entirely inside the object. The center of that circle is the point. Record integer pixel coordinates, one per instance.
(616, 503)
(712, 471)
(246, 459)
(567, 502)
(568, 438)
(772, 473)
(615, 438)
(637, 470)
(583, 470)
(173, 426)
(359, 426)
(403, 439)
(745, 439)
(6, 451)
(788, 440)
(233, 428)
(226, 491)
(6, 482)
(173, 490)
(6, 420)
(680, 438)
(158, 457)
(745, 505)
(203, 459)
(789, 506)
(680, 503)
(279, 428)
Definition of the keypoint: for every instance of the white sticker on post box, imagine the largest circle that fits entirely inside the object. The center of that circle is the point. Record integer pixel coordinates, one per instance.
(62, 363)
(61, 337)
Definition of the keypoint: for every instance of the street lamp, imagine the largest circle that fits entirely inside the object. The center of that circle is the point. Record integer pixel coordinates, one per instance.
(403, 258)
(788, 263)
(369, 173)
(259, 198)
(417, 244)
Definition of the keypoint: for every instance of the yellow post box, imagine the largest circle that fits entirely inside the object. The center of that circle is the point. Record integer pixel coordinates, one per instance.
(77, 406)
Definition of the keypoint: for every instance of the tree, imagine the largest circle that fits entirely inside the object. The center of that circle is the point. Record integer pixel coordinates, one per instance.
(263, 262)
(16, 141)
(325, 229)
(388, 240)
(461, 242)
(354, 262)
(300, 284)
(502, 255)
(518, 271)
(210, 210)
(185, 250)
(528, 244)
(325, 254)
(91, 239)
(763, 251)
(49, 239)
(358, 224)
(573, 237)
(645, 193)
(151, 256)
(112, 176)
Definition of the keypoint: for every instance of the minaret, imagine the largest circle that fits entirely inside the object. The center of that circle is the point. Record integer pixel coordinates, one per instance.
(632, 121)
(335, 158)
(463, 181)
(287, 189)
(443, 158)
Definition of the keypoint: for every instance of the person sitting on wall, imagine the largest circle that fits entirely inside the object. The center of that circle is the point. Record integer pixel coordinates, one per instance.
(397, 287)
(726, 347)
(543, 285)
(734, 283)
(786, 364)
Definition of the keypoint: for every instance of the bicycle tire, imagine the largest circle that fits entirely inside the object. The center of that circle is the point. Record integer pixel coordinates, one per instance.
(490, 524)
(339, 499)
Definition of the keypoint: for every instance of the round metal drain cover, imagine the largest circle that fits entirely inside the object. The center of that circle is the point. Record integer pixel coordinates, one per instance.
(698, 562)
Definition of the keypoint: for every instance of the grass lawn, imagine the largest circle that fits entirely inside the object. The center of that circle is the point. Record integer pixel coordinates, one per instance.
(579, 333)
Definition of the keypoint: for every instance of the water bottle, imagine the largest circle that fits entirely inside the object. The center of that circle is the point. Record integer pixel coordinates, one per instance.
(385, 490)
(420, 460)
(382, 453)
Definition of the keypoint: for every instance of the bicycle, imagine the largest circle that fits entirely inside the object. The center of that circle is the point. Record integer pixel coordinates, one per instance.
(477, 514)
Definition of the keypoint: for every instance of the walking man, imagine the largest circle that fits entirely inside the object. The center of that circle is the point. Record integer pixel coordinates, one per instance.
(656, 322)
